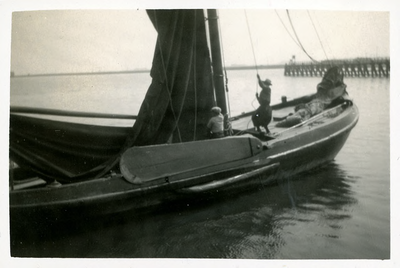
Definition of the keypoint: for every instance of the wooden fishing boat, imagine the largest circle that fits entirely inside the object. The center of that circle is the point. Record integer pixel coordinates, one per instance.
(68, 170)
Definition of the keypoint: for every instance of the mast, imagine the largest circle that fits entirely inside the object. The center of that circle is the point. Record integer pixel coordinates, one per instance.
(216, 59)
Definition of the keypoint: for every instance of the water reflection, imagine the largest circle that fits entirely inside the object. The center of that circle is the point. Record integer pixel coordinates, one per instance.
(253, 225)
(320, 201)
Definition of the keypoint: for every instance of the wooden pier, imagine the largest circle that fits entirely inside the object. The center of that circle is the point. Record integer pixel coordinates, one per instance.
(351, 68)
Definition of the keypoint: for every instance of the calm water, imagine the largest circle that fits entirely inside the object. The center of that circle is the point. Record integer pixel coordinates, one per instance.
(341, 211)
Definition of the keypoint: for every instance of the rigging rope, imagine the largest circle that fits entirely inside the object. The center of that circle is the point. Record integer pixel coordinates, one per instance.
(287, 29)
(252, 48)
(195, 83)
(167, 83)
(329, 47)
(294, 31)
(326, 56)
(224, 66)
(251, 41)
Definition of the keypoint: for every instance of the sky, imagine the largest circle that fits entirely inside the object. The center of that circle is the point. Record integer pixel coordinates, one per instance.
(74, 41)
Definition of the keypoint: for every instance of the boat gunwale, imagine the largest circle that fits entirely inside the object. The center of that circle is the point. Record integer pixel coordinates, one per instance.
(337, 133)
(139, 190)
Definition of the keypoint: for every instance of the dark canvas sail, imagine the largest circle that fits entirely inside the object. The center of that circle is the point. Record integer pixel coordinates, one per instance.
(61, 150)
(181, 94)
(176, 108)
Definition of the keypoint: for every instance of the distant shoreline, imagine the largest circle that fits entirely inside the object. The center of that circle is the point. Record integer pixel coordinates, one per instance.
(234, 68)
(83, 73)
(275, 66)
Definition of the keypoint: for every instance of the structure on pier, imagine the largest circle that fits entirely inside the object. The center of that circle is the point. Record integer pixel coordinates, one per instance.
(361, 67)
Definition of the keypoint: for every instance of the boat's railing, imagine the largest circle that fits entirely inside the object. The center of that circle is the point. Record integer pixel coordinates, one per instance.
(318, 116)
(54, 112)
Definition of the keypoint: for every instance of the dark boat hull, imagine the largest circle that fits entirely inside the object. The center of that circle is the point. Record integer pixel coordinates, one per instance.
(290, 153)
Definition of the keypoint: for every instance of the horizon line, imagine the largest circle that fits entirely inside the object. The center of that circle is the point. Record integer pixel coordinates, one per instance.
(231, 67)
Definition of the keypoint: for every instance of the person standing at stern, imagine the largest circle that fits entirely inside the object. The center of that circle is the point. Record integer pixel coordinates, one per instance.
(263, 114)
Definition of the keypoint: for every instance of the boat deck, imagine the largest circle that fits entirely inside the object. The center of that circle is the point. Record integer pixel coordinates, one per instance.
(244, 123)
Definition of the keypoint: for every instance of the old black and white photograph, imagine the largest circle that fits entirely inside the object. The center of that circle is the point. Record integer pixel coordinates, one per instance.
(219, 134)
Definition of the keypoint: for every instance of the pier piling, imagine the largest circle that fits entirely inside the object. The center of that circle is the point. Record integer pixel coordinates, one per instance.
(363, 67)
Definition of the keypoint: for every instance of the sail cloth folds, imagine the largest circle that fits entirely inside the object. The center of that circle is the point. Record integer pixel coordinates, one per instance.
(176, 108)
(177, 104)
(61, 150)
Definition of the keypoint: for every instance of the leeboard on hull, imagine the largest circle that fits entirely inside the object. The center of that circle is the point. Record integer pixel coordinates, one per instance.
(144, 164)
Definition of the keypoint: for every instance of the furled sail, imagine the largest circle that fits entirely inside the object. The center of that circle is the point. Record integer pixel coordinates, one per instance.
(176, 108)
(181, 94)
(61, 150)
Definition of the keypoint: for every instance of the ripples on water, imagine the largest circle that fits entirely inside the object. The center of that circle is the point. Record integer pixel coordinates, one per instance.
(340, 211)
